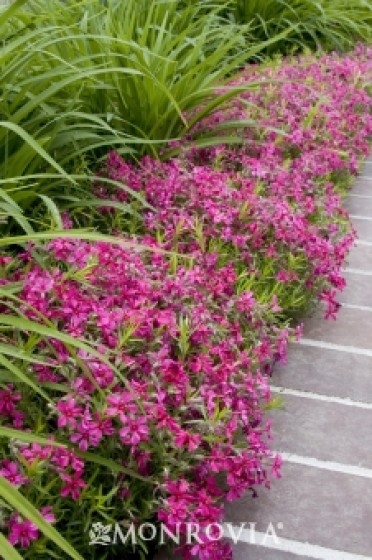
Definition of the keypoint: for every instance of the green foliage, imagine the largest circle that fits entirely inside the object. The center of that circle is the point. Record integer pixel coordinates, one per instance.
(328, 24)
(81, 77)
(15, 499)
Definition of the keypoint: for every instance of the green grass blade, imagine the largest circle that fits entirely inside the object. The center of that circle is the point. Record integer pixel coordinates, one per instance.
(114, 467)
(35, 146)
(18, 374)
(10, 11)
(8, 551)
(14, 498)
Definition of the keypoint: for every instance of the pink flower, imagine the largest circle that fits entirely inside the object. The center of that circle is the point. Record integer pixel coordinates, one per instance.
(10, 471)
(255, 226)
(8, 400)
(36, 452)
(69, 412)
(21, 532)
(18, 419)
(88, 434)
(134, 431)
(63, 458)
(47, 513)
(74, 485)
(120, 405)
(275, 467)
(187, 440)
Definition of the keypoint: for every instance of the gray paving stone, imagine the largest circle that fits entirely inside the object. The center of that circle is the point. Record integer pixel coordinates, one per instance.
(359, 206)
(320, 507)
(324, 430)
(362, 186)
(363, 228)
(367, 168)
(353, 327)
(243, 551)
(360, 256)
(327, 372)
(358, 290)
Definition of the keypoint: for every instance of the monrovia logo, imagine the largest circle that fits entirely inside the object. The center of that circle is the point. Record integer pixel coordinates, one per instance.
(188, 533)
(100, 534)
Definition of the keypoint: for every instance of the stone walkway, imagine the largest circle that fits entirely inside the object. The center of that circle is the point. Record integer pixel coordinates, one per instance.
(322, 507)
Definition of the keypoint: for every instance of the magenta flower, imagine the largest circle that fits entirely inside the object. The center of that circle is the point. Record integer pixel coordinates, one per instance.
(36, 452)
(10, 471)
(47, 513)
(69, 412)
(187, 440)
(73, 485)
(88, 434)
(21, 532)
(120, 404)
(134, 431)
(64, 458)
(8, 400)
(195, 337)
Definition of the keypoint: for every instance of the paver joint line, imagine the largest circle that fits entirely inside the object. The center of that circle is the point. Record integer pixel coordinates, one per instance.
(356, 217)
(358, 307)
(332, 346)
(319, 397)
(293, 547)
(358, 271)
(363, 243)
(333, 466)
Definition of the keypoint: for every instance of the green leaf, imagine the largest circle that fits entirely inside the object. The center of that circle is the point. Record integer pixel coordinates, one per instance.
(112, 465)
(10, 11)
(29, 437)
(8, 551)
(14, 498)
(18, 373)
(35, 146)
(54, 212)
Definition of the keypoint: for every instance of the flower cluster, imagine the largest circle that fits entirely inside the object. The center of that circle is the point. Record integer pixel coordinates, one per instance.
(181, 386)
(169, 384)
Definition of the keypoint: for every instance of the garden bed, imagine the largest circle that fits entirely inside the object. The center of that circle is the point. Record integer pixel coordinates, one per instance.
(152, 357)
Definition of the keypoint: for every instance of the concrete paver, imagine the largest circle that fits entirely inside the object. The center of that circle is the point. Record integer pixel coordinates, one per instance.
(358, 206)
(304, 427)
(327, 372)
(360, 257)
(353, 327)
(315, 506)
(363, 186)
(363, 227)
(358, 289)
(259, 553)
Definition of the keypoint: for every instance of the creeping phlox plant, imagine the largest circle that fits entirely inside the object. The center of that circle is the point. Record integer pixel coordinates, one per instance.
(159, 412)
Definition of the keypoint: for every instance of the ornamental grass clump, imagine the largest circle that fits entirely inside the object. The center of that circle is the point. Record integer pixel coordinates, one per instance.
(79, 78)
(135, 378)
(321, 24)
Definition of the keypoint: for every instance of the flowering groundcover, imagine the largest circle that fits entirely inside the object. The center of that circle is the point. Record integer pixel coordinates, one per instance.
(158, 412)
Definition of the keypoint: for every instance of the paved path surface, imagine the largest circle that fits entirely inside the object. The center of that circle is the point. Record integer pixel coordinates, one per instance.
(322, 507)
